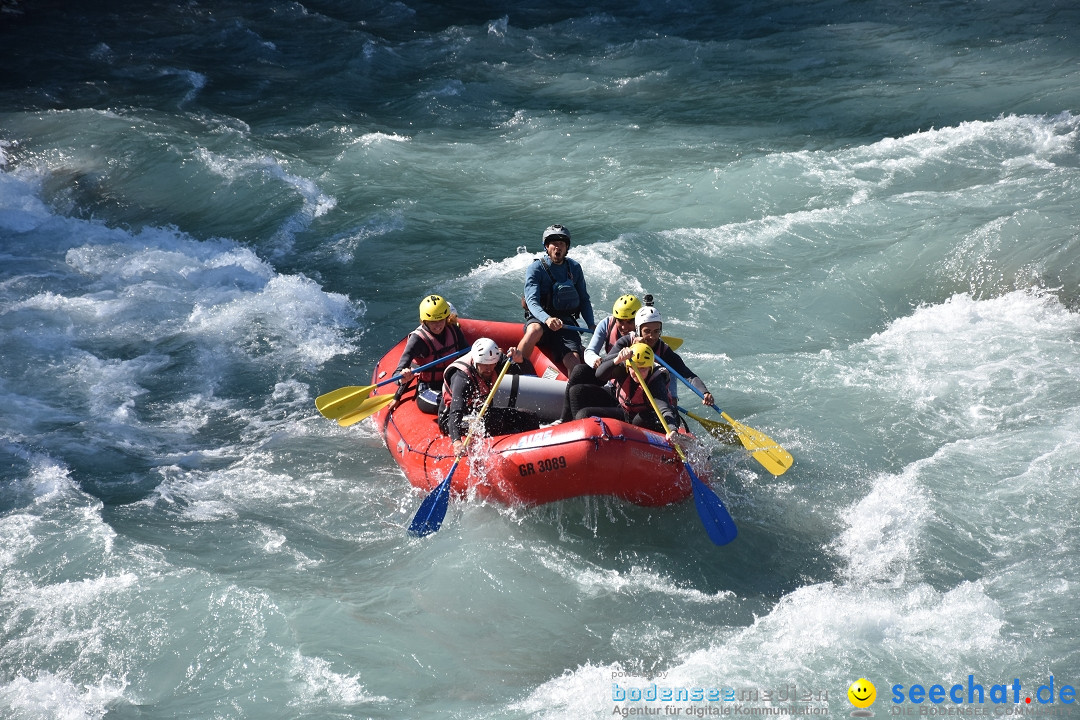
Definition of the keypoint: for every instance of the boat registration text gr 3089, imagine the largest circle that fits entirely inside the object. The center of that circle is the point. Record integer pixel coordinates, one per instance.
(546, 465)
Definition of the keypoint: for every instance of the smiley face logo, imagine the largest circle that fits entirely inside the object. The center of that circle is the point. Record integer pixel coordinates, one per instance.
(862, 693)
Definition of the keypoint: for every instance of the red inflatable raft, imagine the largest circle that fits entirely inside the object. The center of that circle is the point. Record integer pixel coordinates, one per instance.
(593, 456)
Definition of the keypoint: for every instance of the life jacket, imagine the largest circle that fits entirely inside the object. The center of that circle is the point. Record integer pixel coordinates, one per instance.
(480, 387)
(631, 395)
(452, 339)
(612, 335)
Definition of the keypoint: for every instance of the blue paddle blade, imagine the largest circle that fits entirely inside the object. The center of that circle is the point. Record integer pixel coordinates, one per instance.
(718, 523)
(429, 516)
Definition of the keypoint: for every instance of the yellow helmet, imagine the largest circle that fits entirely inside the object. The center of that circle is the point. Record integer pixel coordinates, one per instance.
(433, 309)
(625, 307)
(642, 356)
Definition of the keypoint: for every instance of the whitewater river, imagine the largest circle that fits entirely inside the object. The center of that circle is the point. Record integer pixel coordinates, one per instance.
(861, 216)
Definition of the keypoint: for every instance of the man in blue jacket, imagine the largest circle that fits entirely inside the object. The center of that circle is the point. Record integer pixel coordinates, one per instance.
(555, 296)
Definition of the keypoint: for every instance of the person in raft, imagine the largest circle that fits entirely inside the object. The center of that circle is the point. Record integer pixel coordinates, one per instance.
(607, 333)
(555, 296)
(438, 335)
(623, 397)
(650, 323)
(466, 385)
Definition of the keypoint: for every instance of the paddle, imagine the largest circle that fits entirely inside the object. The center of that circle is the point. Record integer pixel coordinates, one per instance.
(714, 516)
(430, 515)
(717, 428)
(673, 342)
(764, 449)
(345, 401)
(367, 408)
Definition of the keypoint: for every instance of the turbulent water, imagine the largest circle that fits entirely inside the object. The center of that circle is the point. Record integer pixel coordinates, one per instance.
(860, 216)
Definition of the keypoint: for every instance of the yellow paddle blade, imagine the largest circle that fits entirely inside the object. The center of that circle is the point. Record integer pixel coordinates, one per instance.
(342, 401)
(765, 450)
(366, 409)
(717, 428)
(672, 342)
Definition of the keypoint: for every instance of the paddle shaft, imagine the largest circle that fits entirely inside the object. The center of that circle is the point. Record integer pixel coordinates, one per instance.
(347, 400)
(655, 407)
(717, 521)
(430, 514)
(433, 363)
(685, 382)
(720, 429)
(487, 403)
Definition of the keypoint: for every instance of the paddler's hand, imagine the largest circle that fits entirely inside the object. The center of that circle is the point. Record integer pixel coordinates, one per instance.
(676, 438)
(708, 399)
(624, 355)
(515, 355)
(459, 447)
(554, 323)
(406, 376)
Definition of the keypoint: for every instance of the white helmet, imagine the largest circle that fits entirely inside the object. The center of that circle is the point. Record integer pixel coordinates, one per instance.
(485, 352)
(647, 314)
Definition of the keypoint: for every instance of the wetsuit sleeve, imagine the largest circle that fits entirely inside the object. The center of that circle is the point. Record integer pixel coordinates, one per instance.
(536, 284)
(658, 386)
(596, 344)
(459, 390)
(415, 349)
(605, 371)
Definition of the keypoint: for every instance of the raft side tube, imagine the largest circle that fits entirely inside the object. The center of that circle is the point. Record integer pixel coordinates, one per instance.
(543, 396)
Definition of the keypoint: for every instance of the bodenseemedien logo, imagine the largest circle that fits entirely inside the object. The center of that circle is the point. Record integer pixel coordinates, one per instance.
(862, 695)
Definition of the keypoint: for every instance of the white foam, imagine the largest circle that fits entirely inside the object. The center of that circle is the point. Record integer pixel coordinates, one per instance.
(246, 485)
(323, 686)
(885, 529)
(21, 210)
(285, 307)
(594, 580)
(48, 696)
(375, 138)
(983, 351)
(17, 538)
(123, 311)
(829, 187)
(498, 28)
(158, 282)
(811, 638)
